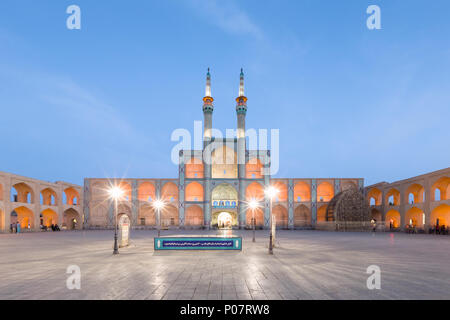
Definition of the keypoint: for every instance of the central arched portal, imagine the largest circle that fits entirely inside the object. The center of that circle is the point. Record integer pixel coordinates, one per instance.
(224, 201)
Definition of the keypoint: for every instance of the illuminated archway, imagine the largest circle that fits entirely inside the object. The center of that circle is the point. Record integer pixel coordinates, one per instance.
(414, 193)
(393, 197)
(48, 197)
(22, 192)
(254, 191)
(146, 192)
(302, 192)
(282, 194)
(194, 169)
(72, 196)
(72, 219)
(194, 192)
(49, 217)
(443, 185)
(194, 216)
(302, 216)
(281, 216)
(224, 195)
(442, 213)
(126, 189)
(253, 169)
(375, 194)
(392, 217)
(414, 217)
(23, 216)
(169, 192)
(224, 163)
(325, 192)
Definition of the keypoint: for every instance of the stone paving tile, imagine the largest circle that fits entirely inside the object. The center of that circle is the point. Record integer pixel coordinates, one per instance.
(306, 265)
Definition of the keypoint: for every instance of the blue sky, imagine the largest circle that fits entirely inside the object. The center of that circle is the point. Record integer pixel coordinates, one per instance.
(103, 101)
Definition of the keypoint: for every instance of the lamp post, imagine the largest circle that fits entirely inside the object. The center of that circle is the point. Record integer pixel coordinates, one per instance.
(158, 204)
(253, 205)
(115, 193)
(271, 192)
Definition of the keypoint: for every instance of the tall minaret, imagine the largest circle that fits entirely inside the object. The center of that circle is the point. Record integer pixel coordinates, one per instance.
(208, 109)
(241, 110)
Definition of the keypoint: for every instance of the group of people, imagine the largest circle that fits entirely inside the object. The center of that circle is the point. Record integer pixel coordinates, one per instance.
(15, 227)
(439, 229)
(54, 227)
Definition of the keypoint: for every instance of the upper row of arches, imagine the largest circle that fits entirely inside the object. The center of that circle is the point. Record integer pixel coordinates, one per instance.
(415, 193)
(22, 192)
(194, 191)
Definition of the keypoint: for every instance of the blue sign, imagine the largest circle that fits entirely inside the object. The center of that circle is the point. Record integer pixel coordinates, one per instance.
(198, 243)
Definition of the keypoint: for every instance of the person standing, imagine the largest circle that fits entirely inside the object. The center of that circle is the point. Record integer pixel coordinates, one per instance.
(18, 227)
(11, 228)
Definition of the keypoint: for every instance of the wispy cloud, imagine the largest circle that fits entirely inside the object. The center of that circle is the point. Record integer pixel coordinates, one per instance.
(227, 16)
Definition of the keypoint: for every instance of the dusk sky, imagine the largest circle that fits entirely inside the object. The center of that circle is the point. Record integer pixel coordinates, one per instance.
(103, 101)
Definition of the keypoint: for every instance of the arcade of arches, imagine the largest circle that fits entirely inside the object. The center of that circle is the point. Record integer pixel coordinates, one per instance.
(422, 201)
(32, 203)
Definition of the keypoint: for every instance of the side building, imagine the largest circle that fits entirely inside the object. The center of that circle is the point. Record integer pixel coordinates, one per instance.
(33, 203)
(422, 201)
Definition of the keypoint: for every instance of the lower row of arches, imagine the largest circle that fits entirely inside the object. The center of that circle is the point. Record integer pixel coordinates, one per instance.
(26, 219)
(415, 217)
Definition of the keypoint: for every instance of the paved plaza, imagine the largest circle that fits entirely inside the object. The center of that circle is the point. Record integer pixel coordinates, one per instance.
(306, 265)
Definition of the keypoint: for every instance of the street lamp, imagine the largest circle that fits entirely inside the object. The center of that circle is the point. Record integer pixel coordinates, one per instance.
(271, 192)
(158, 204)
(253, 204)
(115, 193)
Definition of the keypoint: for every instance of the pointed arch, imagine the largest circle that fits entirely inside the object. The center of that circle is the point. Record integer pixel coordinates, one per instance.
(443, 187)
(194, 216)
(302, 192)
(281, 216)
(169, 216)
(376, 195)
(72, 219)
(49, 197)
(72, 196)
(194, 169)
(23, 216)
(253, 169)
(442, 213)
(194, 192)
(302, 216)
(22, 192)
(254, 191)
(282, 194)
(392, 218)
(393, 197)
(415, 193)
(49, 217)
(169, 192)
(414, 217)
(224, 163)
(146, 191)
(325, 192)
